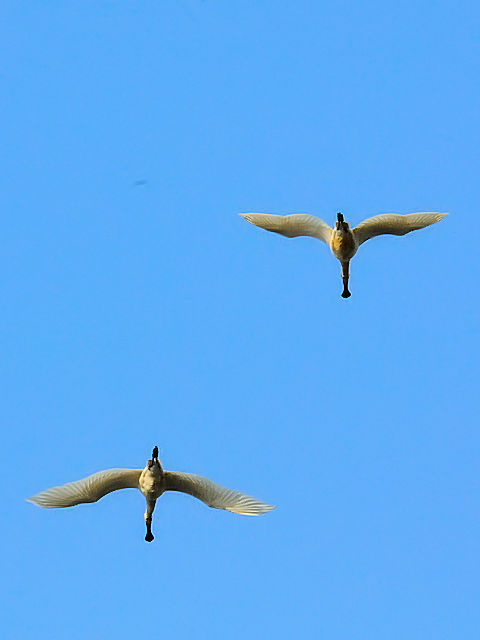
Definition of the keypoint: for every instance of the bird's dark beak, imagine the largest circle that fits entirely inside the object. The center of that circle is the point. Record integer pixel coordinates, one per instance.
(340, 217)
(155, 453)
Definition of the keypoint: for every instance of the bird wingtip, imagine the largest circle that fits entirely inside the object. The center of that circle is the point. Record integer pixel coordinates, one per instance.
(266, 508)
(440, 214)
(257, 510)
(249, 218)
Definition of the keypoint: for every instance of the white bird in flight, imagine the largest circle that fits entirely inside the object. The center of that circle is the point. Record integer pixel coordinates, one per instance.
(152, 482)
(342, 240)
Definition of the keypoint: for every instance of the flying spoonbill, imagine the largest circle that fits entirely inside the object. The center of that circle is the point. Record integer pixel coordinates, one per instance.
(342, 240)
(152, 482)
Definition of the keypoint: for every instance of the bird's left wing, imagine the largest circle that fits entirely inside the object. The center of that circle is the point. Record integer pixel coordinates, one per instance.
(296, 224)
(395, 224)
(213, 494)
(88, 489)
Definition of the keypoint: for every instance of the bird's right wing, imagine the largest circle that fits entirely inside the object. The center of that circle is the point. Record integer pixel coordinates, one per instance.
(296, 224)
(395, 224)
(88, 489)
(213, 494)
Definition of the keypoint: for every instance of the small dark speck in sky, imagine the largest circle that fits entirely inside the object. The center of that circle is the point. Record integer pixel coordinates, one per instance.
(139, 183)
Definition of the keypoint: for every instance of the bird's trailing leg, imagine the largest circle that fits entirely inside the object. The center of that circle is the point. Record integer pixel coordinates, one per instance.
(154, 457)
(341, 224)
(345, 275)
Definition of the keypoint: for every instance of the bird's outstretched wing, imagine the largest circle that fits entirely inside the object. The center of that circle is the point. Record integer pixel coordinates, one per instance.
(88, 489)
(213, 494)
(296, 224)
(395, 224)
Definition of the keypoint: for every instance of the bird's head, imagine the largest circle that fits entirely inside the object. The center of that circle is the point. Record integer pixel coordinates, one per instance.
(341, 225)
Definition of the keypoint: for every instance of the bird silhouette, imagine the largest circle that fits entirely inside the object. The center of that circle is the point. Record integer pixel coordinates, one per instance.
(152, 482)
(342, 240)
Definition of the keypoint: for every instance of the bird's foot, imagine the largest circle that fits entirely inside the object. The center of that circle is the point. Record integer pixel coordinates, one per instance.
(346, 294)
(149, 537)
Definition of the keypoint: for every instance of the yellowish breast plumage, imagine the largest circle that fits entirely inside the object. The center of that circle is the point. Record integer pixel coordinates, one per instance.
(343, 245)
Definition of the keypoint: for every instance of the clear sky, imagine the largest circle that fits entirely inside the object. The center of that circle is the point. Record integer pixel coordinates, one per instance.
(149, 313)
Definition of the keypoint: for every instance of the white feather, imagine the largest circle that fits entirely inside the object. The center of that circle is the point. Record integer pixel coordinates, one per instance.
(214, 495)
(292, 226)
(88, 489)
(394, 224)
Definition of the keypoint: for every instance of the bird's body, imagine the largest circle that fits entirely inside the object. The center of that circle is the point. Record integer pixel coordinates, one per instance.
(152, 484)
(342, 240)
(342, 244)
(152, 481)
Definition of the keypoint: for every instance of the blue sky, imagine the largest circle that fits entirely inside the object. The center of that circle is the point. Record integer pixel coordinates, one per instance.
(137, 315)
